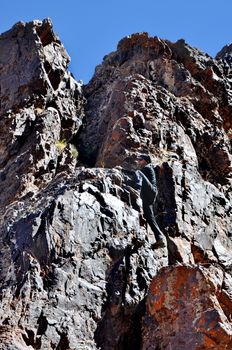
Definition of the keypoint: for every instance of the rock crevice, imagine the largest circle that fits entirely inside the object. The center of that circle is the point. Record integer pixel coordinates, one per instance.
(78, 268)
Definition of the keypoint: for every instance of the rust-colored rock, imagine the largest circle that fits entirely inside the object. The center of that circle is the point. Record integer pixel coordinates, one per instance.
(77, 257)
(185, 310)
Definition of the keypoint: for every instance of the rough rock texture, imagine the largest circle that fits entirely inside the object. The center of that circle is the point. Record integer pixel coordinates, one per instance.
(76, 254)
(40, 105)
(188, 308)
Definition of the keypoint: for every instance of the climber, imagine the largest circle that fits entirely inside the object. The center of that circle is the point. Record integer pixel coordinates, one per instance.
(146, 179)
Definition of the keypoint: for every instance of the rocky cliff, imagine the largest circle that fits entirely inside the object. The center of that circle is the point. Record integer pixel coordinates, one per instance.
(78, 269)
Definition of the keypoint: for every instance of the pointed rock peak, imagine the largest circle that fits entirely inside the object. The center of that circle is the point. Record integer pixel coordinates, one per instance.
(137, 46)
(45, 32)
(225, 52)
(182, 49)
(139, 43)
(33, 53)
(40, 108)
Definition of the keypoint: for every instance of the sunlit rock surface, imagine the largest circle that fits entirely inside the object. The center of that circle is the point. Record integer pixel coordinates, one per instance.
(78, 269)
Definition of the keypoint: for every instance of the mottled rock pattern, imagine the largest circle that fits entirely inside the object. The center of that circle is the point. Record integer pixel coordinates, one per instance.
(41, 104)
(71, 253)
(76, 255)
(186, 309)
(175, 102)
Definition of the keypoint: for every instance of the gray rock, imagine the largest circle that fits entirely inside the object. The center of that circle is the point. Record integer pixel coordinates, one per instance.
(76, 254)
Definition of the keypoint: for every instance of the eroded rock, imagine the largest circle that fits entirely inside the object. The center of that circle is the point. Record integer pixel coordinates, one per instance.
(41, 105)
(73, 263)
(185, 310)
(77, 257)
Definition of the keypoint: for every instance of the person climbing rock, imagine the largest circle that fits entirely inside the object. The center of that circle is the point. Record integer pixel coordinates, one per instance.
(148, 191)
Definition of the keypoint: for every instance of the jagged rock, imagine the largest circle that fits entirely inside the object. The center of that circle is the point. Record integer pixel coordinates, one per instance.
(41, 104)
(73, 260)
(161, 91)
(166, 106)
(173, 101)
(185, 310)
(76, 255)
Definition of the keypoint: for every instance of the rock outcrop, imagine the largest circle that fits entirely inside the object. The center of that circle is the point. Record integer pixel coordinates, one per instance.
(41, 105)
(78, 269)
(188, 308)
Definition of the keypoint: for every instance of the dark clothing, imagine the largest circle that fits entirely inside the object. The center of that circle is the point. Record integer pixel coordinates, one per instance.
(149, 172)
(148, 194)
(148, 190)
(148, 213)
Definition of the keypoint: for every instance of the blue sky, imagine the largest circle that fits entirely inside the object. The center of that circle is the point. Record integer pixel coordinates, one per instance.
(90, 29)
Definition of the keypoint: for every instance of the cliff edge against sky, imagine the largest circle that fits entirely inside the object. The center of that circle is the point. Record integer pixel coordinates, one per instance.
(77, 268)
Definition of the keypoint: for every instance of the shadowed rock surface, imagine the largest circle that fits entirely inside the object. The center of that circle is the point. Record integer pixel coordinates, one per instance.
(77, 267)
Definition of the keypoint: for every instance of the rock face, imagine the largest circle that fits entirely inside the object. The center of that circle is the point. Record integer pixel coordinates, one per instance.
(188, 308)
(77, 267)
(41, 104)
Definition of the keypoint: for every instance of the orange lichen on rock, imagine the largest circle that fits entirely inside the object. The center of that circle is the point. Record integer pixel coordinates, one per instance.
(184, 312)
